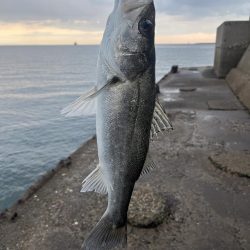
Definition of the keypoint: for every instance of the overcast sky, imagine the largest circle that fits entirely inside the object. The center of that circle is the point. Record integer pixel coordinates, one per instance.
(67, 21)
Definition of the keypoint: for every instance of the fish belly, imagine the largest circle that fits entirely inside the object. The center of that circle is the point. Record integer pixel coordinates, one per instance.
(124, 115)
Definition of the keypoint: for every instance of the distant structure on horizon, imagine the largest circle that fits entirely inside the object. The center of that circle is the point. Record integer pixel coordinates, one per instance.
(75, 44)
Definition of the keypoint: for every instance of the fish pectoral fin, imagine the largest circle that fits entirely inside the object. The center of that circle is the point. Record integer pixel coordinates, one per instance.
(94, 182)
(83, 106)
(86, 104)
(148, 165)
(106, 236)
(160, 122)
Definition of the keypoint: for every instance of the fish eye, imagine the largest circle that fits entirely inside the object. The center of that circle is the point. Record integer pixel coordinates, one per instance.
(145, 27)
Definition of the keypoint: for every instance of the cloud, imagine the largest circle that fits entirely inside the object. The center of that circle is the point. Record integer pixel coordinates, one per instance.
(65, 21)
(21, 10)
(39, 33)
(186, 38)
(195, 9)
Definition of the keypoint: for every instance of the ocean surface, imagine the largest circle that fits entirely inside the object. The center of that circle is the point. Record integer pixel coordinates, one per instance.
(36, 82)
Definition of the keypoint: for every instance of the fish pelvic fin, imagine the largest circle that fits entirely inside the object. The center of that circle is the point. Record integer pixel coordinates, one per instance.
(94, 182)
(106, 236)
(160, 122)
(148, 165)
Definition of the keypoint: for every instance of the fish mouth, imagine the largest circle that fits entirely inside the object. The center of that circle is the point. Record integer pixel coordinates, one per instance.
(131, 53)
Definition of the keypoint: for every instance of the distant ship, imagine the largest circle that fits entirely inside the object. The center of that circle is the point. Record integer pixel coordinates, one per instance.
(75, 44)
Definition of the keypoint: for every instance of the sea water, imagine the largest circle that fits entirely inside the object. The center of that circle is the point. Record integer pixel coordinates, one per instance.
(36, 82)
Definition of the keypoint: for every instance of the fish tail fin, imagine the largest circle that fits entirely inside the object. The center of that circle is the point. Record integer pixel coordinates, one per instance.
(106, 236)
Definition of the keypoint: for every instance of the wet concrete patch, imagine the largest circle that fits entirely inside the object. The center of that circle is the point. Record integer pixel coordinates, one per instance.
(224, 105)
(233, 162)
(187, 89)
(229, 129)
(208, 72)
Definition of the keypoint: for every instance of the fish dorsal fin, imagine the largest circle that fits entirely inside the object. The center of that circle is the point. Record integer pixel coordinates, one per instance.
(94, 182)
(160, 122)
(86, 104)
(148, 165)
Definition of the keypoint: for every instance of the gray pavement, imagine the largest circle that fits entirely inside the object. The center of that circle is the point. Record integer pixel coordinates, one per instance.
(202, 175)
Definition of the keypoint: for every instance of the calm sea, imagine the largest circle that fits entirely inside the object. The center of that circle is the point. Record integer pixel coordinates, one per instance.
(36, 82)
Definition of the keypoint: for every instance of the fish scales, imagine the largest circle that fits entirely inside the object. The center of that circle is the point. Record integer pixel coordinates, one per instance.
(123, 130)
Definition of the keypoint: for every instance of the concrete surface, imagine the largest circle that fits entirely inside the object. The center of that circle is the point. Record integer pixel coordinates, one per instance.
(239, 79)
(208, 208)
(232, 40)
(234, 162)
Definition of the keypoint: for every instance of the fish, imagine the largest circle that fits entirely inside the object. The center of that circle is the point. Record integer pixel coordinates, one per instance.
(128, 116)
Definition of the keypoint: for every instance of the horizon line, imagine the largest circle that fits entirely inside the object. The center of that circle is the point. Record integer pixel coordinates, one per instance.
(98, 44)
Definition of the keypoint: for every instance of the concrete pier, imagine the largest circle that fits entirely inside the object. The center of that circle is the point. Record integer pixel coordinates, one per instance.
(202, 174)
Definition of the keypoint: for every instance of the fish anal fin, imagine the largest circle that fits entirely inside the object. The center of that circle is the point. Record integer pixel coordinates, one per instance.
(94, 182)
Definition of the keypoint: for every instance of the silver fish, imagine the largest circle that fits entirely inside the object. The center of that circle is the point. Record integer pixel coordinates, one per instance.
(127, 115)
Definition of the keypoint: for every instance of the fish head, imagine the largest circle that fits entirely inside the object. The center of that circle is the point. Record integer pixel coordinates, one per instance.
(129, 37)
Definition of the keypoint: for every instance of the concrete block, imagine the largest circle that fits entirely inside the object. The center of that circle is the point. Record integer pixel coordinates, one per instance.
(244, 95)
(244, 64)
(239, 79)
(227, 59)
(232, 41)
(233, 34)
(236, 80)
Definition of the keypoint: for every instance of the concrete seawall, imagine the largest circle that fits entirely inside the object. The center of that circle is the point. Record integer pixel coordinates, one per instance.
(239, 79)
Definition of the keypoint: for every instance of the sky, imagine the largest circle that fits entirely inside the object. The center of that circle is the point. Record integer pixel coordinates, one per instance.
(83, 21)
